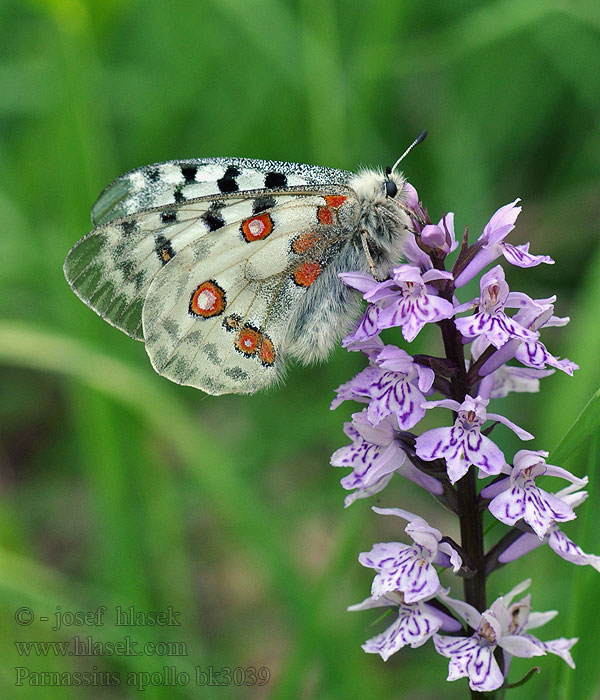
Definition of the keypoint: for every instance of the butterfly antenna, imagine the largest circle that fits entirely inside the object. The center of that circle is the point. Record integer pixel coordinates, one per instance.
(420, 138)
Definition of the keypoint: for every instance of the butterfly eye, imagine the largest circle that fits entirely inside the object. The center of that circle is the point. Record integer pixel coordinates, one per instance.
(391, 189)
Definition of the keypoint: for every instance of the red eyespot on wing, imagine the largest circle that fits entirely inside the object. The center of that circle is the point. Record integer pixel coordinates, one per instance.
(247, 341)
(208, 300)
(267, 352)
(304, 242)
(306, 273)
(325, 215)
(257, 227)
(335, 201)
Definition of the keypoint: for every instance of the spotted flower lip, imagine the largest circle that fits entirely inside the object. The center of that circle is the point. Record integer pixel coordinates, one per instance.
(415, 624)
(493, 245)
(411, 302)
(490, 320)
(392, 385)
(368, 327)
(473, 657)
(558, 542)
(463, 444)
(409, 568)
(407, 300)
(554, 537)
(374, 456)
(531, 353)
(535, 355)
(518, 497)
(500, 379)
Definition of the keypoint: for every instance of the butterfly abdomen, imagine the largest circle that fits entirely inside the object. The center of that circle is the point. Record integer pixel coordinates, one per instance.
(327, 310)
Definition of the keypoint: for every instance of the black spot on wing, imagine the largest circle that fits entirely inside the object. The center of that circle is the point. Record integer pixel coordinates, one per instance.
(213, 220)
(275, 179)
(262, 204)
(168, 217)
(227, 183)
(163, 249)
(152, 174)
(178, 196)
(189, 173)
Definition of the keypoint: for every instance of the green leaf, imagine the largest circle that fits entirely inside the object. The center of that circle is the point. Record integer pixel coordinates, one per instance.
(583, 427)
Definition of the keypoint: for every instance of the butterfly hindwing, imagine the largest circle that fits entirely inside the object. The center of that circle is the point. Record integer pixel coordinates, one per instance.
(219, 323)
(178, 181)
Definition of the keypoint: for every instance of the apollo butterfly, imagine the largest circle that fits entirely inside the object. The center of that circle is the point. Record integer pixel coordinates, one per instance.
(228, 267)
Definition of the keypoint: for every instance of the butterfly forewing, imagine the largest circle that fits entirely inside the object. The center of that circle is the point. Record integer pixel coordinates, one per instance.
(175, 182)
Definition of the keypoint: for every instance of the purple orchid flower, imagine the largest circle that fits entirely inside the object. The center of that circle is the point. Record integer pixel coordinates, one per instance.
(473, 657)
(463, 444)
(490, 320)
(410, 568)
(531, 353)
(554, 537)
(493, 245)
(407, 301)
(416, 623)
(410, 301)
(374, 456)
(393, 384)
(519, 619)
(518, 497)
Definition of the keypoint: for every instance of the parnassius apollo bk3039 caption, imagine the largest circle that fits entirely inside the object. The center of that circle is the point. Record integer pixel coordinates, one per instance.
(227, 267)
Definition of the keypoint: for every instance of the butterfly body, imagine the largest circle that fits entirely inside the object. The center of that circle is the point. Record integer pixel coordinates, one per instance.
(227, 267)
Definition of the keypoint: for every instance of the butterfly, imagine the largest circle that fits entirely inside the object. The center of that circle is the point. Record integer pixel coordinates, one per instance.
(228, 267)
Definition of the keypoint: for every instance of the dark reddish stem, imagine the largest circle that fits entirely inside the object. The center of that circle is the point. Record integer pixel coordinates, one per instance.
(471, 525)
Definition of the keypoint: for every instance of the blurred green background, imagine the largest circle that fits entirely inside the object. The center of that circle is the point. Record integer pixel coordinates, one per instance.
(119, 488)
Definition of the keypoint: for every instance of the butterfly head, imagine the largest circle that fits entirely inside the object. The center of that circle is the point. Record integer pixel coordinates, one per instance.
(375, 187)
(383, 221)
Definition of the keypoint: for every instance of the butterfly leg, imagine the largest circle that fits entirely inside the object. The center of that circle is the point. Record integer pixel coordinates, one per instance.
(413, 214)
(368, 256)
